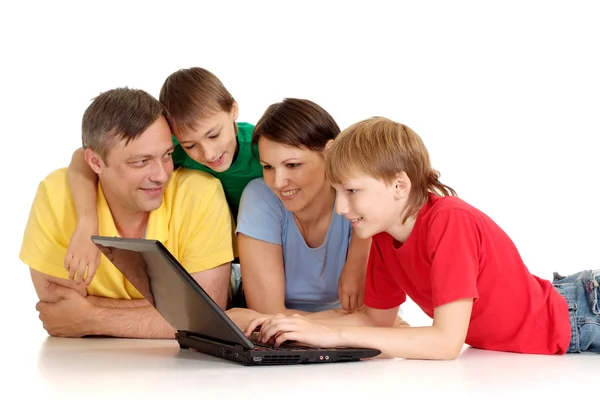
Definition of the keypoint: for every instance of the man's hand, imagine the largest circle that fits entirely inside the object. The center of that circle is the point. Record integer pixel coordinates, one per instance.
(69, 316)
(83, 257)
(351, 288)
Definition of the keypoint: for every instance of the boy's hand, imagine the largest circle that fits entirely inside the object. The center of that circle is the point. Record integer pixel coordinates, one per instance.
(83, 257)
(351, 287)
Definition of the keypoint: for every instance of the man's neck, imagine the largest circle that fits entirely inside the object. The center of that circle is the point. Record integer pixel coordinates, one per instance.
(129, 224)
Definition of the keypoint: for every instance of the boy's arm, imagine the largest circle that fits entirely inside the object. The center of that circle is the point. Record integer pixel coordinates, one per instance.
(82, 255)
(443, 340)
(351, 285)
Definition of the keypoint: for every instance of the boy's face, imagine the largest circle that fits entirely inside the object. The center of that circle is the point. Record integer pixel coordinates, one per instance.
(135, 175)
(213, 142)
(371, 205)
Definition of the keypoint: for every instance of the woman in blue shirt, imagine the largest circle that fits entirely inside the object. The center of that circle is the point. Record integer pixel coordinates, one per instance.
(293, 246)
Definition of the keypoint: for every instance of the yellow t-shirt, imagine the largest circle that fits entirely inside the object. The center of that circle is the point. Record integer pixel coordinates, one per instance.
(194, 223)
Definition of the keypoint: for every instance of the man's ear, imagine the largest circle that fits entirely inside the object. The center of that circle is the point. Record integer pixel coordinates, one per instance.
(94, 160)
(402, 185)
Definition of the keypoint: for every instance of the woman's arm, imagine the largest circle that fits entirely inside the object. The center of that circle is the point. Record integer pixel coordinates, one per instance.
(263, 276)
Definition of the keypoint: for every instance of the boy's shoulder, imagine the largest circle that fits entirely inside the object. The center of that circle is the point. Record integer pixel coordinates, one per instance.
(245, 130)
(447, 204)
(452, 208)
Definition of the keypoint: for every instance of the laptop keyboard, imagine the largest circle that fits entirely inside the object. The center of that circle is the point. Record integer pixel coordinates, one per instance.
(285, 346)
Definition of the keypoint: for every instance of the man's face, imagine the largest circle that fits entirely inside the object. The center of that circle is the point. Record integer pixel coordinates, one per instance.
(134, 176)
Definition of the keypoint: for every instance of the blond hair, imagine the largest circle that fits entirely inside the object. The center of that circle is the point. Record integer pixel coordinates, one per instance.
(381, 148)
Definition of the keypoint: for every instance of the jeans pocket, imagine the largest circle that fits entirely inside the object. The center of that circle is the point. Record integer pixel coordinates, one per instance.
(591, 284)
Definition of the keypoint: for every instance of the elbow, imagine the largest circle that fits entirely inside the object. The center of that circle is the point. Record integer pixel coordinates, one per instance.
(449, 351)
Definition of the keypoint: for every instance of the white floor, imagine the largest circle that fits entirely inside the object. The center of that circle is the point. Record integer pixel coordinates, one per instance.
(121, 368)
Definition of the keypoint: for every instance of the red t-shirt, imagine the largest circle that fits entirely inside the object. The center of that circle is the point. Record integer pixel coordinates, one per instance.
(454, 252)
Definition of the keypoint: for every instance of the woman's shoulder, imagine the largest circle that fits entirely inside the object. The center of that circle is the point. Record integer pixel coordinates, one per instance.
(257, 191)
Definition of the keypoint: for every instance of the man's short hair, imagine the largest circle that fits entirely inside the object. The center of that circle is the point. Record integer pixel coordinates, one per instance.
(118, 114)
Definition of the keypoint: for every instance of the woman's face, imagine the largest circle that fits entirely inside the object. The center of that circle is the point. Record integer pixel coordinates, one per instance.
(295, 175)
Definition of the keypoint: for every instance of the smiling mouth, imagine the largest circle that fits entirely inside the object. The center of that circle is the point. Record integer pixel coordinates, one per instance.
(290, 193)
(152, 190)
(218, 160)
(355, 220)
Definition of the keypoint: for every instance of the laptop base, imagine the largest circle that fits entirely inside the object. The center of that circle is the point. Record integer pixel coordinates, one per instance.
(258, 356)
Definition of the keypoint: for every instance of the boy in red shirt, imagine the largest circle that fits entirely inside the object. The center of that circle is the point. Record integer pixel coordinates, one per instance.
(456, 264)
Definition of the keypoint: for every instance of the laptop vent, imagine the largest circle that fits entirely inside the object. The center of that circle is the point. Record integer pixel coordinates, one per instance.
(281, 359)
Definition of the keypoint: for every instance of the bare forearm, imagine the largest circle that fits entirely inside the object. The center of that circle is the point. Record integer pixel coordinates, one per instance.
(358, 254)
(105, 302)
(334, 318)
(83, 183)
(134, 322)
(418, 343)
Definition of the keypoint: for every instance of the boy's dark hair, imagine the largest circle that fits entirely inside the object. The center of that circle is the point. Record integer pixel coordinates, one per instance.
(192, 94)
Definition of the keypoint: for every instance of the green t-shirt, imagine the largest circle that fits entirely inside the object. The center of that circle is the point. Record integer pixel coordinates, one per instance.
(244, 168)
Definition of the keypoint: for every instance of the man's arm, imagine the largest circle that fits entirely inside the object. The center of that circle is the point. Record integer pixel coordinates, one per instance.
(116, 317)
(66, 310)
(215, 282)
(44, 284)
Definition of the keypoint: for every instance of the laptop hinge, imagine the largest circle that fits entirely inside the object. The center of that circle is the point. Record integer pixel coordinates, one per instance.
(216, 341)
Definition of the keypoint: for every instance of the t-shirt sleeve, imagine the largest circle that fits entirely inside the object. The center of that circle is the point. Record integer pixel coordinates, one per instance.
(381, 288)
(44, 244)
(261, 213)
(453, 246)
(209, 243)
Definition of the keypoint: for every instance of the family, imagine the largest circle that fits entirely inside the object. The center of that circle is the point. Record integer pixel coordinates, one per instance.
(294, 227)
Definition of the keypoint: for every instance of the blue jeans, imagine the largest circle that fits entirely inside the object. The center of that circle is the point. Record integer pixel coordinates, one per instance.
(236, 290)
(582, 292)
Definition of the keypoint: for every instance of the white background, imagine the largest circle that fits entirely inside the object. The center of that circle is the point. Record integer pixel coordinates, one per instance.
(505, 95)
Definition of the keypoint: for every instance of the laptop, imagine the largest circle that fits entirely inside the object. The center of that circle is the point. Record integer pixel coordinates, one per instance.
(200, 323)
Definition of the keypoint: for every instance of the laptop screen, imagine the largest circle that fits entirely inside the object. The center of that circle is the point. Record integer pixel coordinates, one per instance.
(167, 286)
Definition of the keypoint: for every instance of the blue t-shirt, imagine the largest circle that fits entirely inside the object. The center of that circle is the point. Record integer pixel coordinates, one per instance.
(311, 274)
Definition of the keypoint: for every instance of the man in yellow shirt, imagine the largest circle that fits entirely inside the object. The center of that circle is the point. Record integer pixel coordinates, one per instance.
(128, 144)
